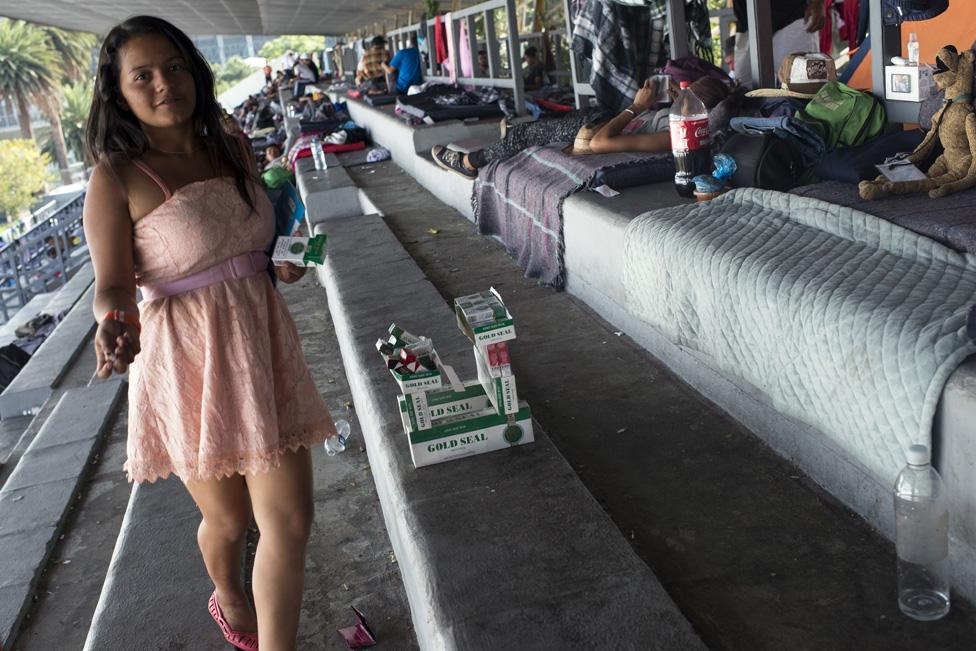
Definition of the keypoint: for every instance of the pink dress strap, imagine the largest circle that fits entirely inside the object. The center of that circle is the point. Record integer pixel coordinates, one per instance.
(151, 173)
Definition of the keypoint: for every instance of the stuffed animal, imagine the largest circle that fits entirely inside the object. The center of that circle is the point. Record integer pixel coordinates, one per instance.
(954, 125)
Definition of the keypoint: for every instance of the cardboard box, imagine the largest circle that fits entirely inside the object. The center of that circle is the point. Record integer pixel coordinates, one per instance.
(471, 314)
(908, 83)
(470, 434)
(417, 381)
(302, 251)
(501, 390)
(426, 409)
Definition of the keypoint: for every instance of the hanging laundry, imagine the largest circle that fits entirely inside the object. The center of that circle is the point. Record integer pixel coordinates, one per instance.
(827, 31)
(464, 50)
(440, 40)
(611, 36)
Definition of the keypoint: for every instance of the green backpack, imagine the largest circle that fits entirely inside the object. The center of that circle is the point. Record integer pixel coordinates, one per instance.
(844, 117)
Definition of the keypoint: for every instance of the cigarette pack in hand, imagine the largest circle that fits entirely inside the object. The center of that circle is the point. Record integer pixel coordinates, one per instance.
(301, 251)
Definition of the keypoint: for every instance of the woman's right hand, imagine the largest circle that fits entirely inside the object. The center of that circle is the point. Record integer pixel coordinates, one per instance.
(116, 346)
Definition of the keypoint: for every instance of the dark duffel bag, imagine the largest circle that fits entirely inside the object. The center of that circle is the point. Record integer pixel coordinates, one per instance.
(12, 359)
(764, 161)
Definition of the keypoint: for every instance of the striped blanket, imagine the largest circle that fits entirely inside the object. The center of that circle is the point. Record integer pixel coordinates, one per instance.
(519, 201)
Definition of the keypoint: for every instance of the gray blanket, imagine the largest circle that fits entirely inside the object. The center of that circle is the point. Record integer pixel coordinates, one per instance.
(950, 220)
(520, 201)
(848, 322)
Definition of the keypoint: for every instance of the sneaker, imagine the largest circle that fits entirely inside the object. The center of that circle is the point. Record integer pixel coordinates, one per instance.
(452, 160)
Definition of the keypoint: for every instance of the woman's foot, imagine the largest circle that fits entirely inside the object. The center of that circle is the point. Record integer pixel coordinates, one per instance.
(453, 161)
(238, 612)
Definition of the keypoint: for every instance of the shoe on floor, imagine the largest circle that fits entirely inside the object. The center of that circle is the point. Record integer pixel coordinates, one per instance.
(243, 641)
(452, 160)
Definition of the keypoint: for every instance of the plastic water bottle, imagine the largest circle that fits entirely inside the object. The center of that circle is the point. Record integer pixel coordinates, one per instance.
(318, 154)
(912, 49)
(922, 538)
(691, 141)
(337, 442)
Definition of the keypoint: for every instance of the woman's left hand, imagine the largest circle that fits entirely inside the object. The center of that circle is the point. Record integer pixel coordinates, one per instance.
(646, 96)
(290, 272)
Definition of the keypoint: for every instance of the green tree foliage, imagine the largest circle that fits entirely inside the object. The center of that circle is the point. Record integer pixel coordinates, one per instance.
(23, 169)
(295, 43)
(28, 68)
(75, 105)
(227, 75)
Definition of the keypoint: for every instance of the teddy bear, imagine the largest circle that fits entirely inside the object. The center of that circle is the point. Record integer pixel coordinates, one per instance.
(954, 125)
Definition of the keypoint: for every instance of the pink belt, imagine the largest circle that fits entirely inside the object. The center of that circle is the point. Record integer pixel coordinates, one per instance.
(240, 266)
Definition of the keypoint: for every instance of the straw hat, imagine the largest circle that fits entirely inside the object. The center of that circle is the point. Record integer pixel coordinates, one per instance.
(801, 75)
(581, 145)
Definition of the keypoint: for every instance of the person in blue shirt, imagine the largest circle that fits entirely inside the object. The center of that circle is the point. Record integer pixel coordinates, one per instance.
(406, 66)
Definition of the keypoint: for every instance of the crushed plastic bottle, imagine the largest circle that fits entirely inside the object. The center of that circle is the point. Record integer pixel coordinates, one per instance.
(337, 442)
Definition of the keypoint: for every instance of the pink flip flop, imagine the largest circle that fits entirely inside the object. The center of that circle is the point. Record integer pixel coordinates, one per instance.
(243, 641)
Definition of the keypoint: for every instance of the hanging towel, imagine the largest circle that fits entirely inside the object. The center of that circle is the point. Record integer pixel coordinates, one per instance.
(464, 50)
(440, 40)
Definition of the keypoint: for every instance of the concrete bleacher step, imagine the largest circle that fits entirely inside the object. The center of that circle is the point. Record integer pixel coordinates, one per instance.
(52, 302)
(35, 499)
(158, 536)
(37, 379)
(35, 306)
(329, 193)
(491, 519)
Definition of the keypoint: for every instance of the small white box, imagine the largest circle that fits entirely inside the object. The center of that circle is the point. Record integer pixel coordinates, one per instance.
(908, 83)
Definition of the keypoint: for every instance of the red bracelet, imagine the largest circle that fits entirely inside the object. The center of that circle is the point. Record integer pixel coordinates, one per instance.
(124, 317)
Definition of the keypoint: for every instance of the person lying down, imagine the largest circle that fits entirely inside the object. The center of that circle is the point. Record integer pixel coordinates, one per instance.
(638, 128)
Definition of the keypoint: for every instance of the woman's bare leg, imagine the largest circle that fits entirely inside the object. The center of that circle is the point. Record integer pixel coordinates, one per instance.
(222, 533)
(283, 509)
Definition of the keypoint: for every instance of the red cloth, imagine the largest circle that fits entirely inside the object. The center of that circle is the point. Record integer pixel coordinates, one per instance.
(306, 152)
(827, 32)
(851, 13)
(440, 40)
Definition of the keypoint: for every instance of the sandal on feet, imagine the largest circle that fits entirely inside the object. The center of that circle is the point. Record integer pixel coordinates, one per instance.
(243, 641)
(452, 160)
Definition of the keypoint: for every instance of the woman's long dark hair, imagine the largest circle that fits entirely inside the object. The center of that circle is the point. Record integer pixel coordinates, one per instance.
(116, 135)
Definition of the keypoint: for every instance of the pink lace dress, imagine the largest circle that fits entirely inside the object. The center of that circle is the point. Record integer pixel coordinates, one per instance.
(221, 385)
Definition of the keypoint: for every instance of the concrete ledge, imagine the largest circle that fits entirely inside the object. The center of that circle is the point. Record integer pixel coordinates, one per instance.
(35, 499)
(35, 382)
(593, 274)
(492, 517)
(52, 302)
(160, 521)
(33, 307)
(329, 193)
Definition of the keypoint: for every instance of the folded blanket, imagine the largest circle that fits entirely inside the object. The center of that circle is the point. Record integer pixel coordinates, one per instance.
(848, 322)
(519, 200)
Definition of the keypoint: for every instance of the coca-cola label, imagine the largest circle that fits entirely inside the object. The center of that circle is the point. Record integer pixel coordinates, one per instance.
(690, 134)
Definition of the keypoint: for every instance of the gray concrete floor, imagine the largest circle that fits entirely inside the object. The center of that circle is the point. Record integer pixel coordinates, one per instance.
(350, 560)
(754, 554)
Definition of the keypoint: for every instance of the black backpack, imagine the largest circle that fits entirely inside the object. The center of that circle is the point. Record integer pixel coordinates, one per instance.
(12, 359)
(764, 161)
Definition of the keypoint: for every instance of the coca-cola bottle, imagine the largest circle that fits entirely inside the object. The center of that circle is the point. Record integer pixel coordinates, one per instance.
(691, 142)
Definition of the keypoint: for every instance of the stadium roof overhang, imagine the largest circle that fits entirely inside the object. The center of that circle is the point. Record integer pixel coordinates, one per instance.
(334, 17)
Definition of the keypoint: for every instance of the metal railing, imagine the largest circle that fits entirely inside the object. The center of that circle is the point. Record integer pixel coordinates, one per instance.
(42, 258)
(498, 75)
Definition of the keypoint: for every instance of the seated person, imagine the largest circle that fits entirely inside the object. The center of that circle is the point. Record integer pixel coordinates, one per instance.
(483, 68)
(273, 156)
(636, 128)
(406, 66)
(370, 68)
(305, 69)
(534, 72)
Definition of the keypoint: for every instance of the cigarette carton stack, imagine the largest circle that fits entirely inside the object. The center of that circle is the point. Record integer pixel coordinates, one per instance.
(443, 417)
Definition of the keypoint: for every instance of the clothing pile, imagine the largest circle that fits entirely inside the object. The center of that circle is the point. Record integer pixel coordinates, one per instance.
(442, 102)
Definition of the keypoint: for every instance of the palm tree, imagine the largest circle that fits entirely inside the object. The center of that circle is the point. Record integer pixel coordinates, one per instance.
(74, 51)
(75, 104)
(35, 61)
(28, 68)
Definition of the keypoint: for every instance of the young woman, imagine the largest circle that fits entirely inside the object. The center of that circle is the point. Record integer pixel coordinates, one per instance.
(219, 393)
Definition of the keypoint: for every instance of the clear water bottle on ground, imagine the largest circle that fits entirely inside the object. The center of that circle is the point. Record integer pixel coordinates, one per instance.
(922, 538)
(337, 442)
(691, 141)
(318, 154)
